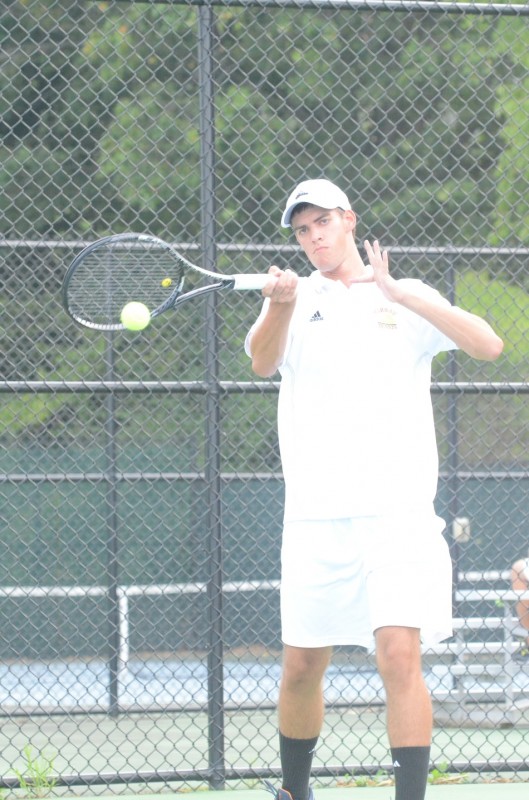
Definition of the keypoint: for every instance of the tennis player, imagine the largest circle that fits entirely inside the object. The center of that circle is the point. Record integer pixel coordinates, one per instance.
(363, 553)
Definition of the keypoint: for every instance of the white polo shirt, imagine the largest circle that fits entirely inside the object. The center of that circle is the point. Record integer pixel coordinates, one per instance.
(355, 418)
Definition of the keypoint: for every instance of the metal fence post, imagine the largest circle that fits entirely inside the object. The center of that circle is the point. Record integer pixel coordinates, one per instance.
(453, 444)
(111, 510)
(215, 667)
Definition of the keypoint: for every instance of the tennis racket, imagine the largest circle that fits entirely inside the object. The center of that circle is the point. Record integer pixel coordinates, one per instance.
(115, 270)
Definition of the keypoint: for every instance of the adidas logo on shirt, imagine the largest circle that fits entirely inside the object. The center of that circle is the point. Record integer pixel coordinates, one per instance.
(316, 317)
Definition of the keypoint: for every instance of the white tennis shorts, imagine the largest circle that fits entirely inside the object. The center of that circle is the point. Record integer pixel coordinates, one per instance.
(344, 578)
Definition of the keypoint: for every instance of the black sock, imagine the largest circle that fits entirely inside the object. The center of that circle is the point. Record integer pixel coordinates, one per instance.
(410, 767)
(296, 762)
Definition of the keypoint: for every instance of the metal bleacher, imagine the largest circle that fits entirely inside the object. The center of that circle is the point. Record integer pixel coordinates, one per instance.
(490, 686)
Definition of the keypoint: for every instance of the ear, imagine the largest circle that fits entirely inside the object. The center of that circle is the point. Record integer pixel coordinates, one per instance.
(350, 220)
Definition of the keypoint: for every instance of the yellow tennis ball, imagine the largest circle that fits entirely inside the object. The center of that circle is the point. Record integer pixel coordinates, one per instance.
(135, 316)
(166, 282)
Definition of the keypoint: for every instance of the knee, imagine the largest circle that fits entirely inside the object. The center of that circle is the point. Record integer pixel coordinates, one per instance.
(398, 658)
(303, 667)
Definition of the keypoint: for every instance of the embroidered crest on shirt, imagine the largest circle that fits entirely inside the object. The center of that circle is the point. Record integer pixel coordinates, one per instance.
(317, 317)
(386, 318)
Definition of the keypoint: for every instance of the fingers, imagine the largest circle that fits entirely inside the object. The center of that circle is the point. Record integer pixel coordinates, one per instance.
(282, 286)
(379, 261)
(377, 257)
(369, 250)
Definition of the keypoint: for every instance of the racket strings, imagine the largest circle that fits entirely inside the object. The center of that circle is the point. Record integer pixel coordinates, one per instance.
(107, 278)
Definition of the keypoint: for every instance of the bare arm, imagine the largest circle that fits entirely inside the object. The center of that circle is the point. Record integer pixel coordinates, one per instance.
(269, 337)
(471, 333)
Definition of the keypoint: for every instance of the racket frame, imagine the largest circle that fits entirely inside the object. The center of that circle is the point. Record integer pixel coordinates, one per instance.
(238, 282)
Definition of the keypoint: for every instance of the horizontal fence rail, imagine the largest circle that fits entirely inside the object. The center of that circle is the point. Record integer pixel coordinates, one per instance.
(226, 387)
(429, 7)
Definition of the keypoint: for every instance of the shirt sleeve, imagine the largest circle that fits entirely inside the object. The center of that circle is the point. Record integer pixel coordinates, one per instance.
(435, 341)
(247, 347)
(264, 309)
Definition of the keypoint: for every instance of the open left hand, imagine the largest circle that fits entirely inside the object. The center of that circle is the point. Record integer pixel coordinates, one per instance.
(379, 261)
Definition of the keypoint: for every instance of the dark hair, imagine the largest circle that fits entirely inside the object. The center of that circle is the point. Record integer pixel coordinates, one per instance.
(303, 207)
(299, 208)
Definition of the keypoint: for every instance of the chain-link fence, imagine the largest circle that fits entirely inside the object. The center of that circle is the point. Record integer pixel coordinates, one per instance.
(141, 491)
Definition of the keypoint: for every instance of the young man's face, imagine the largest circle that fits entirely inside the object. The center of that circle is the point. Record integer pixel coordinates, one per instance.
(326, 236)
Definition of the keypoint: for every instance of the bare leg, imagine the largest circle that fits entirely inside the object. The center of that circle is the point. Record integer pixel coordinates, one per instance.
(301, 692)
(519, 583)
(409, 707)
(300, 716)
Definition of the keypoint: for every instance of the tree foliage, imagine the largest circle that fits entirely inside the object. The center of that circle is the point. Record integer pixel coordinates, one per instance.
(416, 113)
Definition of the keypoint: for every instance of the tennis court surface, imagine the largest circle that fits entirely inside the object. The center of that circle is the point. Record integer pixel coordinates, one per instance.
(468, 791)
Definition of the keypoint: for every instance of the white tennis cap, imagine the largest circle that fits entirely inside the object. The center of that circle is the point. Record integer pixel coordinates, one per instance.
(319, 192)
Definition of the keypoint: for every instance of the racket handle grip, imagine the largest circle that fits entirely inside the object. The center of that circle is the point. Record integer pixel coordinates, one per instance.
(245, 283)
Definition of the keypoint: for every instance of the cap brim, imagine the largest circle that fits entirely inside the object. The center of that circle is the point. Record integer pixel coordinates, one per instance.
(287, 215)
